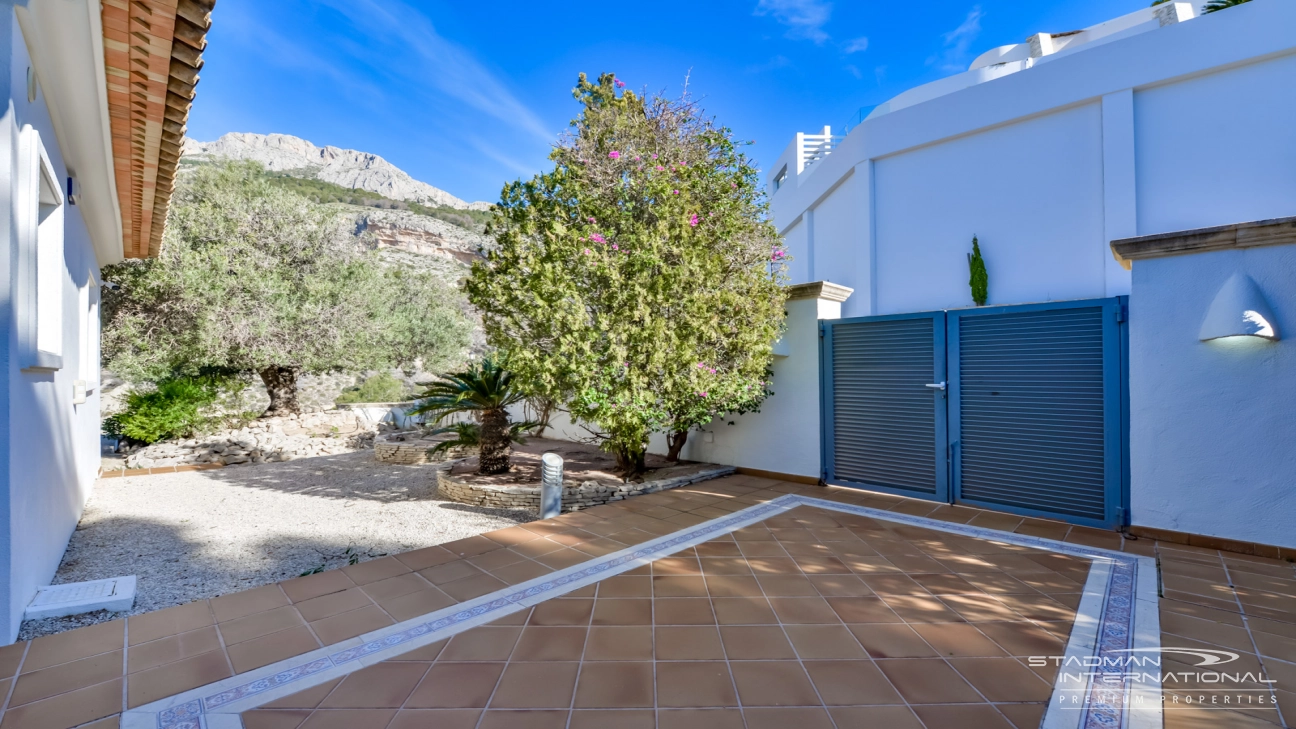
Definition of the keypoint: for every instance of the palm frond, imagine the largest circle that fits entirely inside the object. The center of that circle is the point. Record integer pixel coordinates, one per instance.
(517, 431)
(485, 386)
(467, 435)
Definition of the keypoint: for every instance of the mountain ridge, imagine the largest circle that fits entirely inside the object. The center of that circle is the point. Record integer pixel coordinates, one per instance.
(346, 167)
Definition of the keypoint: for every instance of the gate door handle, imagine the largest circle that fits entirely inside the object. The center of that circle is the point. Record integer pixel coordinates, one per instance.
(937, 386)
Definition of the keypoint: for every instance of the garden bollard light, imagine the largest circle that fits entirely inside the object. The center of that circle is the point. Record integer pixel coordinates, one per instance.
(551, 485)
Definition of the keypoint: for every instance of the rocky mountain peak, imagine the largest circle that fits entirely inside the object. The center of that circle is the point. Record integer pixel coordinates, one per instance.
(346, 167)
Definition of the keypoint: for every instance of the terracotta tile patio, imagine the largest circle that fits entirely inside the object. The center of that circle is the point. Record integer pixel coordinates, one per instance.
(810, 618)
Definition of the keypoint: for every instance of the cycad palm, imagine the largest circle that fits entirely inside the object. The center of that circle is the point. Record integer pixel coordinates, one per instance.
(486, 391)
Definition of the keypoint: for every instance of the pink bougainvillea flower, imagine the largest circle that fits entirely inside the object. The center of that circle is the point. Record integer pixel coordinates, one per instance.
(703, 394)
(587, 251)
(637, 158)
(619, 83)
(591, 220)
(735, 185)
(701, 366)
(693, 221)
(713, 370)
(614, 247)
(674, 192)
(597, 238)
(654, 156)
(614, 154)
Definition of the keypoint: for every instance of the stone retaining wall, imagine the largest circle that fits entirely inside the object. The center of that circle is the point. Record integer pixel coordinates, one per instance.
(409, 450)
(261, 441)
(576, 496)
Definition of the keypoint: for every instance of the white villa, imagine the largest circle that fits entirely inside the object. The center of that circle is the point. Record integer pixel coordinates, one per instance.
(96, 97)
(1082, 391)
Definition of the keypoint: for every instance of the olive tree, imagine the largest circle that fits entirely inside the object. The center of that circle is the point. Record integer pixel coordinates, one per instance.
(639, 280)
(257, 279)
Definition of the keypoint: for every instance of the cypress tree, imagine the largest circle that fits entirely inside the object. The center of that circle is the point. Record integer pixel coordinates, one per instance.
(979, 280)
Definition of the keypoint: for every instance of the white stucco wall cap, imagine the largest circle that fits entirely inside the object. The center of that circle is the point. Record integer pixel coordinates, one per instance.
(819, 290)
(1276, 231)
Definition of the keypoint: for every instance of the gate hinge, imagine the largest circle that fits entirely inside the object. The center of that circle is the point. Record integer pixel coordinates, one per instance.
(1121, 313)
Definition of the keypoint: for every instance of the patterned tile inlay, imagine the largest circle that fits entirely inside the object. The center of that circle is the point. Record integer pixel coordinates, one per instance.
(1105, 704)
(184, 716)
(1107, 701)
(262, 685)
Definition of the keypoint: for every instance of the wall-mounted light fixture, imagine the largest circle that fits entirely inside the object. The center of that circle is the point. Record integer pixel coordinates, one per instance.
(1239, 310)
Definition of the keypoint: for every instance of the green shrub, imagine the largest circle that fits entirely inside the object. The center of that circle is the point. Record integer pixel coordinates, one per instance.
(178, 408)
(978, 279)
(382, 387)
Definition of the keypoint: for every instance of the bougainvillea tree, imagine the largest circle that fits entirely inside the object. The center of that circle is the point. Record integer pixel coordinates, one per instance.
(639, 281)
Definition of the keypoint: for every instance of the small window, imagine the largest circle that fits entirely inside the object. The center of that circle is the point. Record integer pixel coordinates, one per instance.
(780, 178)
(40, 230)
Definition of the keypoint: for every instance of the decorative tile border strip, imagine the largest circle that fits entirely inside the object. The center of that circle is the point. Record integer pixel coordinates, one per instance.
(1108, 621)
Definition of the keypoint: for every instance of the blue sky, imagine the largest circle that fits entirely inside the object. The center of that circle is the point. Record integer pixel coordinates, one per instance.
(467, 95)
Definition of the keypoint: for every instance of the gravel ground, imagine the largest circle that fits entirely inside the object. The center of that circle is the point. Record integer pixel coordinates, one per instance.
(189, 536)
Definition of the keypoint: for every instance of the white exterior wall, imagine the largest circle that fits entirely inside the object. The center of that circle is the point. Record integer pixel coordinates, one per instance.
(49, 447)
(1182, 126)
(797, 242)
(837, 244)
(1211, 423)
(1218, 148)
(1031, 192)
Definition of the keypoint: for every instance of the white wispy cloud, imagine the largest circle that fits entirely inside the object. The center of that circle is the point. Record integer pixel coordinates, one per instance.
(804, 18)
(491, 151)
(953, 56)
(258, 37)
(401, 41)
(859, 45)
(853, 70)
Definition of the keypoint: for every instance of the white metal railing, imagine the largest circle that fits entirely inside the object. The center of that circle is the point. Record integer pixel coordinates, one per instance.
(814, 147)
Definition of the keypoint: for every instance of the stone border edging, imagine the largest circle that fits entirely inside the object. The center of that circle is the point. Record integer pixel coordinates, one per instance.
(157, 470)
(412, 450)
(576, 495)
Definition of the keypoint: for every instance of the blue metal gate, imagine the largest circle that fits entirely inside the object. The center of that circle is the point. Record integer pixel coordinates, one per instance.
(1030, 419)
(884, 403)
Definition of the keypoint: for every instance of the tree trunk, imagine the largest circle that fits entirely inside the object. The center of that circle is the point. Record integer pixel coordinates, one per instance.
(281, 386)
(544, 408)
(493, 451)
(675, 443)
(630, 463)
